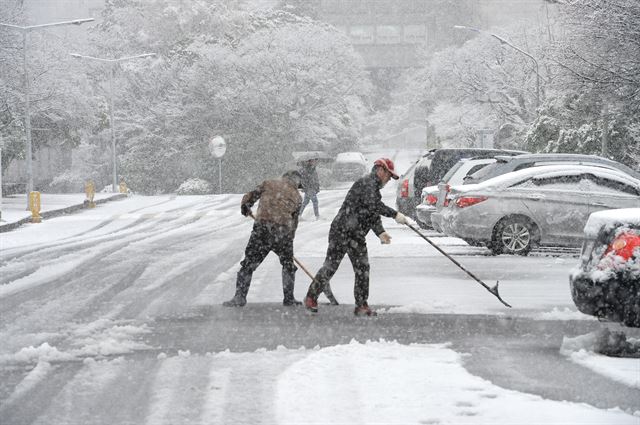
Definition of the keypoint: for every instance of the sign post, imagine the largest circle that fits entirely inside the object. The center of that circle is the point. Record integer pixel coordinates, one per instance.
(218, 147)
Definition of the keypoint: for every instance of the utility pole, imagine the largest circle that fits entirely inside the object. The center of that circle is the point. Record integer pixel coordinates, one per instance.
(112, 63)
(605, 131)
(25, 30)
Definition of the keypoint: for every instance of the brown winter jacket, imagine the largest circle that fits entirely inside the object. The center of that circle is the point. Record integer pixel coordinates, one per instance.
(280, 202)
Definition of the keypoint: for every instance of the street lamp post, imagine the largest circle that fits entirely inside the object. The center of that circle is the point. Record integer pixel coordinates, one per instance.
(112, 63)
(503, 41)
(25, 30)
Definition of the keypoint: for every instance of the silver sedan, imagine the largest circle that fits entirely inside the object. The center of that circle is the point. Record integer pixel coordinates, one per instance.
(546, 205)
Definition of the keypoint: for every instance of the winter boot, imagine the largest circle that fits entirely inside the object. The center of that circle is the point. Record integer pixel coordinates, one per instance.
(364, 310)
(311, 304)
(288, 282)
(238, 300)
(242, 288)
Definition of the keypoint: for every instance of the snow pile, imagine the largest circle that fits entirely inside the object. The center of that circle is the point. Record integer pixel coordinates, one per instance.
(562, 314)
(97, 339)
(611, 218)
(420, 308)
(31, 380)
(608, 353)
(391, 383)
(194, 187)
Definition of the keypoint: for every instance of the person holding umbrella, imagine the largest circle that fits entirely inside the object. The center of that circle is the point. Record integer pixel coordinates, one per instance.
(310, 185)
(360, 212)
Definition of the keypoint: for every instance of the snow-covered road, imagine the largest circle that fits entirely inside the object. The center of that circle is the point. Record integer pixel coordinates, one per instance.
(110, 316)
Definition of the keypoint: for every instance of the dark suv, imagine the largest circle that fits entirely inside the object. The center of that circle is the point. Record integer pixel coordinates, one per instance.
(430, 169)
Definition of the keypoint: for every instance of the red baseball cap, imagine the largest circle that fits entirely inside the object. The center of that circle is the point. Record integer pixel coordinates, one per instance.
(387, 164)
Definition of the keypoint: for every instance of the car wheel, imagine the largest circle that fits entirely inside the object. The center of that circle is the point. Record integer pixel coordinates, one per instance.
(513, 236)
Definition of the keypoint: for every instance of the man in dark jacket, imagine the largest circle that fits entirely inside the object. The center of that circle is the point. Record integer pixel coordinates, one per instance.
(359, 213)
(273, 230)
(310, 186)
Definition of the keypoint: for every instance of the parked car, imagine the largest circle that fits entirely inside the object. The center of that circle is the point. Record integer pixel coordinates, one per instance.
(507, 164)
(454, 176)
(546, 205)
(429, 170)
(350, 166)
(606, 283)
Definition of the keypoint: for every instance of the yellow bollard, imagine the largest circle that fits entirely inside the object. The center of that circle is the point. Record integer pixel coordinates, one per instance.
(34, 206)
(123, 187)
(90, 190)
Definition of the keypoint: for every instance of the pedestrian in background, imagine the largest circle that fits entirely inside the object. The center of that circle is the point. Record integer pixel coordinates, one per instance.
(274, 230)
(310, 186)
(360, 212)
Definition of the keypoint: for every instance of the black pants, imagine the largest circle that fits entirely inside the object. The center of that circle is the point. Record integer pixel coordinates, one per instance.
(355, 246)
(267, 237)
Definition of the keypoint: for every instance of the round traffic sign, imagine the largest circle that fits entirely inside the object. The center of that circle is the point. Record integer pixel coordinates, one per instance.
(217, 147)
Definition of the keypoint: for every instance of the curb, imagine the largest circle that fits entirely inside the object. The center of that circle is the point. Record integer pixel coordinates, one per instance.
(59, 212)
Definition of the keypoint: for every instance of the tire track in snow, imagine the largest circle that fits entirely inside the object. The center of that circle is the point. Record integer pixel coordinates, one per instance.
(65, 298)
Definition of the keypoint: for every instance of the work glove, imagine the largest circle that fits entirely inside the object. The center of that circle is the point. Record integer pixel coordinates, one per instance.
(401, 219)
(245, 210)
(385, 238)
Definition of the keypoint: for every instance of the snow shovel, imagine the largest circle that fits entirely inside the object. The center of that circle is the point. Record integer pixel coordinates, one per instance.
(326, 289)
(493, 289)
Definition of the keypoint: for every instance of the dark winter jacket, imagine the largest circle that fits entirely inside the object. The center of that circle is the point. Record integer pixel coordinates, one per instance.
(280, 202)
(310, 180)
(362, 208)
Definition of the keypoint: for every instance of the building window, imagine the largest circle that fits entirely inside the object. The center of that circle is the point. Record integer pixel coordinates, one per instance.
(362, 34)
(388, 34)
(415, 33)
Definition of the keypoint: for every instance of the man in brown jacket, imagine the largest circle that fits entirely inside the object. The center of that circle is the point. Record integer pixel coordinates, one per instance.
(273, 230)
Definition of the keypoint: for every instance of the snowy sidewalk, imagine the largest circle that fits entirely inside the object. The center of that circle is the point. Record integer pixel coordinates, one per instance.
(15, 213)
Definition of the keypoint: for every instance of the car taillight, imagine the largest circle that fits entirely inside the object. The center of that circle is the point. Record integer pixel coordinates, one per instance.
(431, 199)
(404, 191)
(624, 245)
(467, 201)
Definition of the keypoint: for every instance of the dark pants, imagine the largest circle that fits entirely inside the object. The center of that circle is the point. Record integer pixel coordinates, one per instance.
(267, 237)
(313, 197)
(355, 246)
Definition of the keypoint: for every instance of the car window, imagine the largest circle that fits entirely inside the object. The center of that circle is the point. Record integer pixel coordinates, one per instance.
(452, 171)
(481, 173)
(475, 168)
(604, 185)
(572, 182)
(557, 180)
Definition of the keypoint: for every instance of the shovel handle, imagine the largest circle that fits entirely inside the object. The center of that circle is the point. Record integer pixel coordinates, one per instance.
(492, 289)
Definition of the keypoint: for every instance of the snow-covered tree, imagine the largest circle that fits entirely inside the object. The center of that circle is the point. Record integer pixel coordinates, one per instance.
(269, 82)
(597, 88)
(480, 84)
(58, 101)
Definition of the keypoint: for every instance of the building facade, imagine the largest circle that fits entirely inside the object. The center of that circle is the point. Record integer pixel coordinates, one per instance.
(398, 33)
